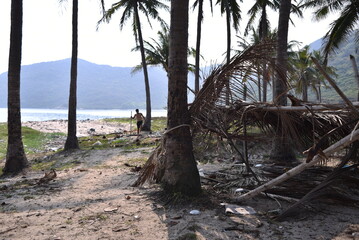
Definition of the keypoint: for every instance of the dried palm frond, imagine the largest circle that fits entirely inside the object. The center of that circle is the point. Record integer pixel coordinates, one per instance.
(213, 111)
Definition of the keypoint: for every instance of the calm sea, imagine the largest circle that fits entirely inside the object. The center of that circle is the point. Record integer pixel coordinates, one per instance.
(37, 114)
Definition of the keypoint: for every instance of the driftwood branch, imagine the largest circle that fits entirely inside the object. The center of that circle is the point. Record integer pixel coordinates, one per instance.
(298, 169)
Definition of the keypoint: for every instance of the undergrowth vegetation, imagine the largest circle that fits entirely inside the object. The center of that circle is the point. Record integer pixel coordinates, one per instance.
(33, 140)
(36, 144)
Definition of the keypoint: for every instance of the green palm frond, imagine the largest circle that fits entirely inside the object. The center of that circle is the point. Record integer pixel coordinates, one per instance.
(233, 9)
(341, 28)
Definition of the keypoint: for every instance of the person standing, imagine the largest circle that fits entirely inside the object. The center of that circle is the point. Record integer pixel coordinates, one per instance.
(140, 119)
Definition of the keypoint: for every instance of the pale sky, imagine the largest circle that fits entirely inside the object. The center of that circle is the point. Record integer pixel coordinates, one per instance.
(47, 33)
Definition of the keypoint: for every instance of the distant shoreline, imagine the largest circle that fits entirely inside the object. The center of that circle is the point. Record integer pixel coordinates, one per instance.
(41, 114)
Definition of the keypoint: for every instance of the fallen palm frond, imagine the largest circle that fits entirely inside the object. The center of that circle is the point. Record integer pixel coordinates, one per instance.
(294, 171)
(318, 190)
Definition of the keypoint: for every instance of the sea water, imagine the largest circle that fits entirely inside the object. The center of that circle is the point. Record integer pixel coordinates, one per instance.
(37, 114)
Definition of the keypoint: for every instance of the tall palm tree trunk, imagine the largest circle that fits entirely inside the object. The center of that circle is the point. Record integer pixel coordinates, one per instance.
(228, 20)
(147, 123)
(305, 90)
(15, 157)
(198, 45)
(72, 141)
(259, 77)
(282, 150)
(180, 174)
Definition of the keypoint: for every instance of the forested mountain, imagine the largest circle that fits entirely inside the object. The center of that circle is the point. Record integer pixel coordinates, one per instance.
(46, 85)
(341, 61)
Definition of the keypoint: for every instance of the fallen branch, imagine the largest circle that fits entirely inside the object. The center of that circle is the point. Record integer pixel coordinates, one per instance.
(300, 168)
(321, 107)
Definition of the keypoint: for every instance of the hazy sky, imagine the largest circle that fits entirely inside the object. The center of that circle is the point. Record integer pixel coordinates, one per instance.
(47, 33)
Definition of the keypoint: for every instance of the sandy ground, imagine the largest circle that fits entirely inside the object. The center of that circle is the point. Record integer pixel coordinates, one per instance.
(95, 200)
(84, 127)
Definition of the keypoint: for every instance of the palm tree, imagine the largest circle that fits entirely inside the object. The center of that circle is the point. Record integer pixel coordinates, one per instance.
(199, 3)
(157, 52)
(232, 10)
(180, 173)
(303, 73)
(320, 79)
(260, 8)
(131, 9)
(72, 141)
(282, 150)
(16, 159)
(340, 28)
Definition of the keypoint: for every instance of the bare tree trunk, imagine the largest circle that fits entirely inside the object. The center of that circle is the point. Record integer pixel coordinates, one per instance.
(15, 156)
(180, 173)
(72, 141)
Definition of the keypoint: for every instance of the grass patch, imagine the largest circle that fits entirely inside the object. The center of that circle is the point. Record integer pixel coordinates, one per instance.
(188, 236)
(99, 216)
(137, 161)
(33, 140)
(157, 123)
(118, 120)
(43, 165)
(48, 164)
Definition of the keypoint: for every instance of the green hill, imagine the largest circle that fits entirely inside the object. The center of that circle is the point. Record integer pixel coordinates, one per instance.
(345, 79)
(46, 85)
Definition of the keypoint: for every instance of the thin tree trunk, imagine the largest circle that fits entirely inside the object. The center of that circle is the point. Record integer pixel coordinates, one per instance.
(147, 123)
(15, 156)
(180, 173)
(259, 86)
(356, 72)
(305, 90)
(263, 33)
(228, 20)
(265, 83)
(72, 141)
(198, 45)
(320, 93)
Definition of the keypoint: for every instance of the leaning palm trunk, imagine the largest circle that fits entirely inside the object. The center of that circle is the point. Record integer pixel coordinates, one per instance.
(72, 141)
(147, 123)
(15, 155)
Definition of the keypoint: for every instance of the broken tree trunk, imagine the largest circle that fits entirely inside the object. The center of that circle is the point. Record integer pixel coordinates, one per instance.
(298, 169)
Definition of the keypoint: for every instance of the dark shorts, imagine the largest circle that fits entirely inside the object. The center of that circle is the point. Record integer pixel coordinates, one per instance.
(139, 124)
